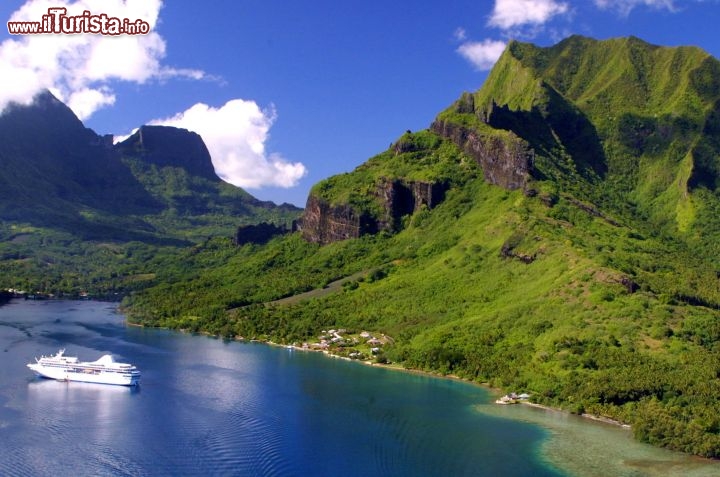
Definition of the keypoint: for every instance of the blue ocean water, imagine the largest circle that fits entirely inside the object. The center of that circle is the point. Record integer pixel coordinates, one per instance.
(211, 407)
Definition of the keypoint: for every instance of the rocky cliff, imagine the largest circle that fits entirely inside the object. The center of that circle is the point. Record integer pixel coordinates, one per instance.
(401, 198)
(505, 161)
(505, 158)
(325, 223)
(169, 146)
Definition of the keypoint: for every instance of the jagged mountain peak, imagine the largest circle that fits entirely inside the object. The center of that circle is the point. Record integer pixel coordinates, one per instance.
(56, 173)
(170, 146)
(47, 116)
(650, 77)
(52, 164)
(615, 110)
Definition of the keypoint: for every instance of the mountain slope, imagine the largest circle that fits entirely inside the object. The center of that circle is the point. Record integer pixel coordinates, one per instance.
(554, 232)
(52, 166)
(79, 213)
(174, 167)
(641, 117)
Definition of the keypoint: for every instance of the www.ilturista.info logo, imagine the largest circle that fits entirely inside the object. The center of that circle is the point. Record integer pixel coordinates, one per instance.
(58, 22)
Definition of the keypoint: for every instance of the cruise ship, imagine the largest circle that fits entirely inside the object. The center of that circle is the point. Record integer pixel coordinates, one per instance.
(103, 371)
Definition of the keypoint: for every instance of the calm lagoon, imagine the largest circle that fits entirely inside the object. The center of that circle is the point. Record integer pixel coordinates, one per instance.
(211, 407)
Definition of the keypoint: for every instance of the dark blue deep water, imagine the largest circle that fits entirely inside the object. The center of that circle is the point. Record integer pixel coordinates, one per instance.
(211, 407)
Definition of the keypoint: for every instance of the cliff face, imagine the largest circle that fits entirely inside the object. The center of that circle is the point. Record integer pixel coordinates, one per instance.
(169, 146)
(400, 198)
(505, 162)
(325, 223)
(505, 158)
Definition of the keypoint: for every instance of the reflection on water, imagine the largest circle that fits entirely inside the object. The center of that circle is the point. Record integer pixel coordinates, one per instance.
(50, 402)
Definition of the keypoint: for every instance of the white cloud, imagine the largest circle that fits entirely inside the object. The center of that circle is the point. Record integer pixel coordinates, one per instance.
(80, 69)
(235, 134)
(517, 18)
(514, 13)
(482, 54)
(86, 101)
(624, 7)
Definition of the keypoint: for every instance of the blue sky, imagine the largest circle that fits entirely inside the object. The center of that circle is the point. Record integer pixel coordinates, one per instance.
(288, 93)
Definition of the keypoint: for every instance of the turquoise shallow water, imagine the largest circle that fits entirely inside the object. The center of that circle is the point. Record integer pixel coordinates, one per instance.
(210, 407)
(595, 449)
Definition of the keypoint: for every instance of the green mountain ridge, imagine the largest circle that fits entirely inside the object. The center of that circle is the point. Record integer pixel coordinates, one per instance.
(653, 109)
(79, 214)
(573, 253)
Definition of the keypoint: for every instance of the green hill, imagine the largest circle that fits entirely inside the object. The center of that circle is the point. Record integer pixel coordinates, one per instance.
(79, 214)
(554, 232)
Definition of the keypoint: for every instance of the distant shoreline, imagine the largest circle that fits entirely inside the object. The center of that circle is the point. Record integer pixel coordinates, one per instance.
(495, 392)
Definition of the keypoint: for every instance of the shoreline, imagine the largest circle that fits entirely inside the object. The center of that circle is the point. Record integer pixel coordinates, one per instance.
(591, 417)
(495, 392)
(558, 438)
(655, 466)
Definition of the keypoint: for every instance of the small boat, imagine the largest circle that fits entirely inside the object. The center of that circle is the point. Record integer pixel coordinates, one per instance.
(103, 371)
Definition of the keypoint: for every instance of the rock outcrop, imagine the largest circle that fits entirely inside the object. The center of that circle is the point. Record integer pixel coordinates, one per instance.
(325, 223)
(169, 146)
(506, 162)
(400, 198)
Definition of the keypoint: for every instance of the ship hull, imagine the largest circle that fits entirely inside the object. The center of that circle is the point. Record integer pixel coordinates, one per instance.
(87, 375)
(101, 377)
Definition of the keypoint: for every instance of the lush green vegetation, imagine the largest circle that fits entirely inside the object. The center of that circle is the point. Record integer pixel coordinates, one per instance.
(420, 156)
(595, 289)
(568, 326)
(108, 254)
(77, 216)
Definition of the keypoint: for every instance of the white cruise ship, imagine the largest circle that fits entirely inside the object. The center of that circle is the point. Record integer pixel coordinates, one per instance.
(103, 371)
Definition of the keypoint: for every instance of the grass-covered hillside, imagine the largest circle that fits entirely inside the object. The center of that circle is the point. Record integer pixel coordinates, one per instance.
(573, 255)
(642, 122)
(585, 312)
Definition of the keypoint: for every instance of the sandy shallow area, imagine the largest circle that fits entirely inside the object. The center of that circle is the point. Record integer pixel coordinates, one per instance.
(586, 447)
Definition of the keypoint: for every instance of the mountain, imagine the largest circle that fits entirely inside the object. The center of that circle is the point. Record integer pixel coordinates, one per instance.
(554, 232)
(52, 165)
(73, 206)
(174, 167)
(165, 146)
(640, 117)
(628, 117)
